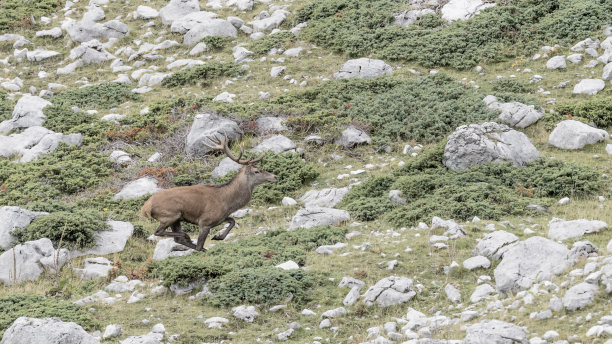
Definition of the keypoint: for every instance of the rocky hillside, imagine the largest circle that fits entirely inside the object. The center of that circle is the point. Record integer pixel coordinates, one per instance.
(443, 170)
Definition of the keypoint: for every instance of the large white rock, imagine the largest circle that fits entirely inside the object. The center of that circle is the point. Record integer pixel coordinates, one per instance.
(481, 292)
(493, 245)
(463, 9)
(55, 32)
(213, 27)
(189, 21)
(452, 294)
(245, 313)
(495, 332)
(169, 248)
(607, 71)
(560, 230)
(12, 218)
(325, 197)
(317, 216)
(557, 62)
(149, 338)
(27, 112)
(364, 68)
(514, 113)
(137, 188)
(207, 126)
(409, 17)
(488, 142)
(176, 9)
(107, 242)
(277, 144)
(35, 142)
(226, 166)
(589, 86)
(41, 54)
(91, 52)
(86, 30)
(93, 268)
(476, 262)
(28, 261)
(145, 12)
(269, 23)
(390, 291)
(26, 330)
(579, 296)
(352, 136)
(268, 124)
(533, 260)
(571, 134)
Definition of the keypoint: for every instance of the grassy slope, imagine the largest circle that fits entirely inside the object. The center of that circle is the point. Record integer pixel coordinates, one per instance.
(180, 315)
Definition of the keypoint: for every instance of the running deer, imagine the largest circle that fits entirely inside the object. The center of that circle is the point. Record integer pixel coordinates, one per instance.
(206, 205)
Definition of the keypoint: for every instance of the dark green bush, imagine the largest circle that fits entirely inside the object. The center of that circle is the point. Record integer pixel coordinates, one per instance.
(488, 191)
(280, 39)
(215, 42)
(362, 28)
(266, 285)
(68, 170)
(227, 265)
(430, 21)
(18, 305)
(19, 13)
(62, 119)
(203, 74)
(75, 229)
(598, 111)
(422, 109)
(105, 96)
(6, 107)
(510, 86)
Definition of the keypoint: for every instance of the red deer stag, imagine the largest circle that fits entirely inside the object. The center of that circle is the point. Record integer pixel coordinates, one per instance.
(205, 205)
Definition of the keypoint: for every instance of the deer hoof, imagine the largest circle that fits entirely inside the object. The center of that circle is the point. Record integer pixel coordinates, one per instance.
(217, 237)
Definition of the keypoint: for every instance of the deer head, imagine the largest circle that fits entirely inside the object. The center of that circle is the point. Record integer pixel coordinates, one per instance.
(253, 174)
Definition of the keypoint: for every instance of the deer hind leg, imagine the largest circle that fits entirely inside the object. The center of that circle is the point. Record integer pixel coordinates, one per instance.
(184, 238)
(222, 235)
(161, 231)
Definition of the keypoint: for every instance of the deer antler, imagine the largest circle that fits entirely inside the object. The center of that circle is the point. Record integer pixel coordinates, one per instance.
(222, 146)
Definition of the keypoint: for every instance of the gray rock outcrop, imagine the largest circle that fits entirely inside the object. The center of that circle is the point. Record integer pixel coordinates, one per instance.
(13, 218)
(214, 27)
(560, 230)
(579, 296)
(325, 197)
(463, 9)
(352, 136)
(107, 242)
(390, 291)
(514, 113)
(572, 134)
(364, 68)
(589, 86)
(317, 216)
(28, 112)
(176, 9)
(26, 330)
(28, 261)
(488, 142)
(493, 245)
(277, 144)
(207, 126)
(495, 332)
(137, 188)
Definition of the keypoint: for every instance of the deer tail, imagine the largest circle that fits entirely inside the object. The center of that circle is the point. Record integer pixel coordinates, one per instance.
(146, 208)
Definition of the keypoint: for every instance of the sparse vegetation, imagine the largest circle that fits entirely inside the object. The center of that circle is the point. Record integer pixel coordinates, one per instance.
(203, 74)
(23, 13)
(598, 111)
(105, 96)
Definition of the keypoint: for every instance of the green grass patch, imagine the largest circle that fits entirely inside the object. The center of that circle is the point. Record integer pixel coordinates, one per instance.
(507, 30)
(203, 74)
(35, 306)
(489, 191)
(282, 39)
(244, 272)
(75, 229)
(19, 13)
(101, 96)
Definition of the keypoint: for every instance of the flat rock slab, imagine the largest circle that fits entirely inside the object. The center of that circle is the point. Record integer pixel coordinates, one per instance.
(245, 313)
(363, 68)
(26, 330)
(166, 248)
(514, 113)
(28, 112)
(97, 267)
(176, 9)
(28, 261)
(206, 127)
(572, 134)
(317, 216)
(495, 332)
(353, 136)
(277, 144)
(463, 9)
(560, 230)
(488, 142)
(214, 27)
(390, 291)
(325, 197)
(138, 188)
(579, 296)
(12, 218)
(535, 259)
(108, 242)
(476, 262)
(493, 245)
(589, 86)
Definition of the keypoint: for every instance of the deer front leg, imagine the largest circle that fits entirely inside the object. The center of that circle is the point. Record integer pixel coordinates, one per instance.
(222, 235)
(204, 229)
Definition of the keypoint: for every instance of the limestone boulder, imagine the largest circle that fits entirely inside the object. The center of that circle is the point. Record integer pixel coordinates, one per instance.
(530, 261)
(353, 136)
(269, 124)
(589, 86)
(213, 27)
(488, 142)
(390, 291)
(111, 241)
(145, 12)
(363, 68)
(206, 127)
(409, 17)
(91, 52)
(514, 114)
(26, 262)
(495, 332)
(138, 188)
(12, 218)
(572, 134)
(27, 330)
(40, 55)
(86, 30)
(176, 9)
(556, 62)
(324, 198)
(318, 216)
(226, 166)
(561, 230)
(28, 112)
(166, 248)
(277, 144)
(94, 268)
(271, 22)
(183, 24)
(579, 296)
(493, 245)
(463, 9)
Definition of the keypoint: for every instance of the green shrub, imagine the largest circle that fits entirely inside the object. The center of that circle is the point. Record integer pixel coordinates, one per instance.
(215, 42)
(105, 96)
(203, 74)
(266, 285)
(19, 13)
(75, 229)
(362, 28)
(230, 264)
(282, 39)
(490, 191)
(391, 109)
(430, 21)
(510, 86)
(6, 107)
(15, 306)
(598, 111)
(68, 170)
(62, 119)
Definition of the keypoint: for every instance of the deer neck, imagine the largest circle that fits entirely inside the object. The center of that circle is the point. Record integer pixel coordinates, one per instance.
(238, 192)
